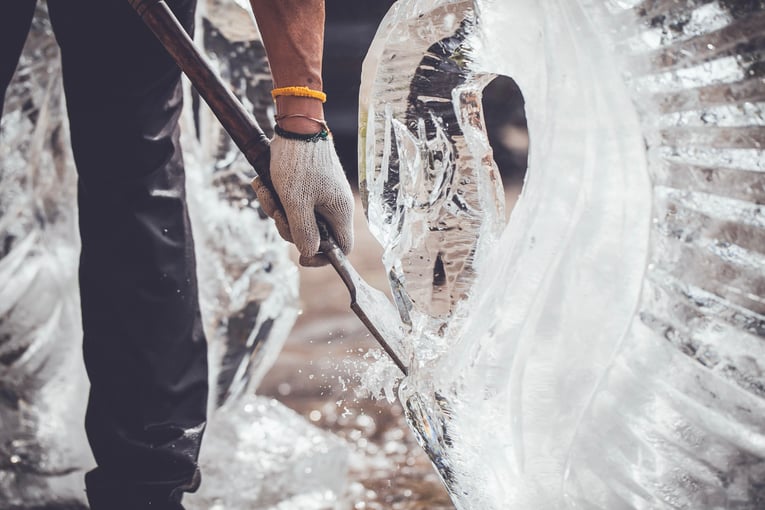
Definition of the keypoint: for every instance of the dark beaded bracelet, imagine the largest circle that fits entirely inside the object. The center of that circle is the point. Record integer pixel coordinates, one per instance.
(310, 137)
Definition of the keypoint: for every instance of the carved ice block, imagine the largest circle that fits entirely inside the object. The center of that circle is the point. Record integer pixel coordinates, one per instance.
(603, 350)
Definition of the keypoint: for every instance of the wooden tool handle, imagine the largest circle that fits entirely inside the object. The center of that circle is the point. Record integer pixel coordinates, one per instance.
(237, 121)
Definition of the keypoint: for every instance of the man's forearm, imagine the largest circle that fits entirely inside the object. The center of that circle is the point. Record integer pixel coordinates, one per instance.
(293, 35)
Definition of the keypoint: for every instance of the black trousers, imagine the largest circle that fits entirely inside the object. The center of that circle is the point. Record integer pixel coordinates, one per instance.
(144, 348)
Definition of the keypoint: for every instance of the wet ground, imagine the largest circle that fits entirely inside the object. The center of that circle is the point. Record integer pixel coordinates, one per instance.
(388, 469)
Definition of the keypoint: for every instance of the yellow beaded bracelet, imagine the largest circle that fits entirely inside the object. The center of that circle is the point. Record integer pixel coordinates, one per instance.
(299, 92)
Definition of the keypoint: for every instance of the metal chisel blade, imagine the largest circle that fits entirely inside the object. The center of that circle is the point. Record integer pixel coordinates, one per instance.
(372, 307)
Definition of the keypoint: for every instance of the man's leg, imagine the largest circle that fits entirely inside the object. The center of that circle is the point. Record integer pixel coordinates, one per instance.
(144, 347)
(15, 19)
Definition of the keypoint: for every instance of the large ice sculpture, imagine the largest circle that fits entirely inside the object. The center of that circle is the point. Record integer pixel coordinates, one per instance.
(248, 291)
(606, 349)
(43, 450)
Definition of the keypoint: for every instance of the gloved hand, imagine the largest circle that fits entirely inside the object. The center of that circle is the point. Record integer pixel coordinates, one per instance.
(309, 180)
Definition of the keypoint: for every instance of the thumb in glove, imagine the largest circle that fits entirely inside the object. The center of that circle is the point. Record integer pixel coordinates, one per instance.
(270, 204)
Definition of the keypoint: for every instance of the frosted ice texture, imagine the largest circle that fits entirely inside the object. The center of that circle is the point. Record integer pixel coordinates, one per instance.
(429, 188)
(604, 349)
(248, 291)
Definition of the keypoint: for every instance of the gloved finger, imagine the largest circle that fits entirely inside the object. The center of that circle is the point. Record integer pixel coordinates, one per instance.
(339, 220)
(303, 227)
(315, 261)
(270, 204)
(282, 226)
(267, 198)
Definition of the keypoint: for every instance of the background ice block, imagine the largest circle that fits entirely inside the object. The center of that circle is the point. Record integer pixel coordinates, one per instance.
(43, 450)
(273, 457)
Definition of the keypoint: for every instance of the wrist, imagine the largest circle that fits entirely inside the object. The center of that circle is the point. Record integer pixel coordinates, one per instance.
(308, 108)
(300, 125)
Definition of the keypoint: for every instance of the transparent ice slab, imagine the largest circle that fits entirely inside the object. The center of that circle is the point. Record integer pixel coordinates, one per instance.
(248, 286)
(602, 350)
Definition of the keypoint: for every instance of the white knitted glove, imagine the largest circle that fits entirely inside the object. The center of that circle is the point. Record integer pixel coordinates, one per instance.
(309, 180)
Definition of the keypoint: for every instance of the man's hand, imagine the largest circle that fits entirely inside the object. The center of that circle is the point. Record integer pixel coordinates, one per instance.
(308, 180)
(307, 175)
